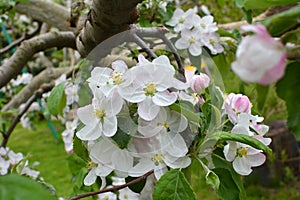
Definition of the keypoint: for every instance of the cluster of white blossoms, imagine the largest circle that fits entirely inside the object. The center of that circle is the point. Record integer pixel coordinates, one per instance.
(156, 143)
(238, 109)
(10, 160)
(196, 32)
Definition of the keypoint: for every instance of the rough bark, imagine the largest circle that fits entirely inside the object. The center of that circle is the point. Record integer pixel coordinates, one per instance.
(46, 11)
(28, 48)
(105, 19)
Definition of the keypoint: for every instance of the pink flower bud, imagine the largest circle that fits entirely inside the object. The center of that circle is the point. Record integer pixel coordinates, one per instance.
(259, 57)
(199, 82)
(236, 104)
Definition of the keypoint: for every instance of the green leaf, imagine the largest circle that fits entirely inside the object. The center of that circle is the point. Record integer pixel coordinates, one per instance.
(282, 22)
(210, 177)
(229, 180)
(57, 100)
(15, 187)
(186, 110)
(137, 187)
(262, 4)
(121, 138)
(288, 88)
(224, 136)
(79, 149)
(292, 37)
(173, 185)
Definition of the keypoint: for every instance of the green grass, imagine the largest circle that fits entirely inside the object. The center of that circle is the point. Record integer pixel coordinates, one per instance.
(41, 146)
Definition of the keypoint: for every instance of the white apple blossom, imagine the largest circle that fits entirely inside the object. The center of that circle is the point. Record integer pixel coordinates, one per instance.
(68, 134)
(29, 172)
(99, 118)
(107, 196)
(150, 86)
(126, 194)
(4, 166)
(181, 20)
(206, 24)
(71, 91)
(154, 156)
(212, 42)
(24, 79)
(191, 40)
(244, 157)
(259, 57)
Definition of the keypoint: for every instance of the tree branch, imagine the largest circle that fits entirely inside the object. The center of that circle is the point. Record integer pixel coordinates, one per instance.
(25, 36)
(106, 18)
(48, 12)
(113, 189)
(45, 76)
(28, 48)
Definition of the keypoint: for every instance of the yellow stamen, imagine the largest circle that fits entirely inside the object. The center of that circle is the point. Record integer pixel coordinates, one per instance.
(150, 89)
(242, 152)
(157, 158)
(189, 68)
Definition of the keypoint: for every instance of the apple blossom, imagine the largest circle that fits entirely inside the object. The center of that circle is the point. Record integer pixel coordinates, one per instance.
(24, 79)
(212, 42)
(181, 20)
(259, 57)
(107, 196)
(206, 24)
(126, 193)
(191, 40)
(68, 134)
(199, 82)
(235, 104)
(71, 91)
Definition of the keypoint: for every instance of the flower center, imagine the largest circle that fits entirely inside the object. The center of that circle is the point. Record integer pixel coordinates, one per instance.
(157, 158)
(125, 196)
(203, 25)
(192, 40)
(100, 113)
(165, 124)
(212, 41)
(242, 152)
(150, 89)
(181, 20)
(117, 78)
(91, 165)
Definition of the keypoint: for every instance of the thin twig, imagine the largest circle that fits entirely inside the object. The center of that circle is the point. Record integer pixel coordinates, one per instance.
(113, 189)
(143, 45)
(25, 36)
(37, 94)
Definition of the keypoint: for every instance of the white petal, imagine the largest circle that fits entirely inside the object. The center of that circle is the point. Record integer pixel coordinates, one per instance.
(160, 170)
(90, 178)
(257, 159)
(133, 94)
(85, 114)
(90, 132)
(147, 110)
(195, 49)
(230, 151)
(110, 126)
(175, 146)
(241, 166)
(182, 43)
(164, 98)
(144, 166)
(122, 161)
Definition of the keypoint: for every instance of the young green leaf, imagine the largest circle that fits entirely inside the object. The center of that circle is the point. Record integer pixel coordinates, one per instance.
(19, 187)
(57, 100)
(173, 186)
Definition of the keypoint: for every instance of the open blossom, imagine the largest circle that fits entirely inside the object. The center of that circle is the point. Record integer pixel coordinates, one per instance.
(182, 20)
(150, 86)
(190, 39)
(22, 79)
(260, 58)
(212, 41)
(99, 118)
(206, 24)
(244, 157)
(71, 91)
(68, 135)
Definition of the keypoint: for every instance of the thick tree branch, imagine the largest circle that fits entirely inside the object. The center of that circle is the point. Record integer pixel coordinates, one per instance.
(45, 76)
(113, 189)
(48, 12)
(105, 19)
(28, 48)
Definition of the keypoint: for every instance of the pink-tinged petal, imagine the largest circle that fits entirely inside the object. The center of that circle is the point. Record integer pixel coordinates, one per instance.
(164, 98)
(230, 151)
(258, 29)
(147, 110)
(275, 73)
(242, 166)
(90, 178)
(85, 114)
(189, 72)
(195, 49)
(110, 126)
(182, 43)
(90, 132)
(257, 159)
